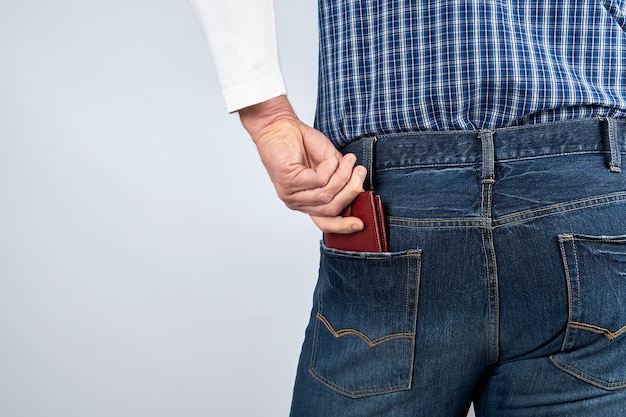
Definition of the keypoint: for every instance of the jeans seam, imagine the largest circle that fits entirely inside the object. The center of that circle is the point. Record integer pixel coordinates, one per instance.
(317, 322)
(501, 160)
(568, 280)
(578, 295)
(492, 304)
(557, 209)
(582, 239)
(486, 226)
(416, 275)
(475, 223)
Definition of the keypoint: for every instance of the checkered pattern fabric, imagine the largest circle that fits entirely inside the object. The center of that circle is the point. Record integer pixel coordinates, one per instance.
(391, 66)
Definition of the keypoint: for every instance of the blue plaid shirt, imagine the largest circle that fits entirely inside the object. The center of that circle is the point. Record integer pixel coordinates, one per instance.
(389, 66)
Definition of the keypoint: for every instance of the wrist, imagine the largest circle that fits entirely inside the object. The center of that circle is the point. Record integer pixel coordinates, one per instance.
(258, 117)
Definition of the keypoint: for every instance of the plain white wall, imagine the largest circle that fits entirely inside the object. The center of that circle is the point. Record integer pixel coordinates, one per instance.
(146, 267)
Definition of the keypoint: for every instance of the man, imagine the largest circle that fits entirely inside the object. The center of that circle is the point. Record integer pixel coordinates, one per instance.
(494, 133)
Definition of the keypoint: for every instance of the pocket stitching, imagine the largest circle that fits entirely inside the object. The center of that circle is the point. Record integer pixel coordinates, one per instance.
(593, 380)
(570, 337)
(597, 329)
(358, 393)
(371, 343)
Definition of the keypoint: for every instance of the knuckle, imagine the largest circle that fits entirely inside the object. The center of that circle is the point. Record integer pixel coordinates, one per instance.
(284, 197)
(321, 182)
(346, 175)
(330, 211)
(288, 200)
(325, 197)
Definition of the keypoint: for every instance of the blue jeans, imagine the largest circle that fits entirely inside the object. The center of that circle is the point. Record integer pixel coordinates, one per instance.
(505, 284)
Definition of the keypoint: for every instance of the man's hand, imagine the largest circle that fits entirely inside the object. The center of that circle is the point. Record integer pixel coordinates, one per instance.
(310, 175)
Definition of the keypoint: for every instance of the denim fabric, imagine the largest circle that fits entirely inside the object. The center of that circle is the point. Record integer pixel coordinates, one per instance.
(505, 283)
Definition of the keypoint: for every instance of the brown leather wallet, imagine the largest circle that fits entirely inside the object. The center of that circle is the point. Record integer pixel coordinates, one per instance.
(373, 238)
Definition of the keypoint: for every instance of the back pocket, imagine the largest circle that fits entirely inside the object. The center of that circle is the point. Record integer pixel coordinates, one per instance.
(594, 347)
(364, 338)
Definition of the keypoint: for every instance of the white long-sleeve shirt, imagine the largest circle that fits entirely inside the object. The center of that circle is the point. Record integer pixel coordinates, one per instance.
(242, 39)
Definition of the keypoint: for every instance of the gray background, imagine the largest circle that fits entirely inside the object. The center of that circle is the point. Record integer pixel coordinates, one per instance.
(146, 266)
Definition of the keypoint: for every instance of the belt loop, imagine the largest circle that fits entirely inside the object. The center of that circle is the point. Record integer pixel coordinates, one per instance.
(615, 165)
(486, 136)
(368, 162)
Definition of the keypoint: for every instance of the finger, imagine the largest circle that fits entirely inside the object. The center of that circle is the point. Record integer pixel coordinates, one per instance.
(339, 201)
(346, 176)
(336, 169)
(338, 224)
(319, 186)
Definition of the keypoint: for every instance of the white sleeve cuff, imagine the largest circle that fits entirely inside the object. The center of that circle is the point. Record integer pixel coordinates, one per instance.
(245, 95)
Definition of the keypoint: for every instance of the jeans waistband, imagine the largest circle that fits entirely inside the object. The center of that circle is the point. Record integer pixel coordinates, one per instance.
(457, 148)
